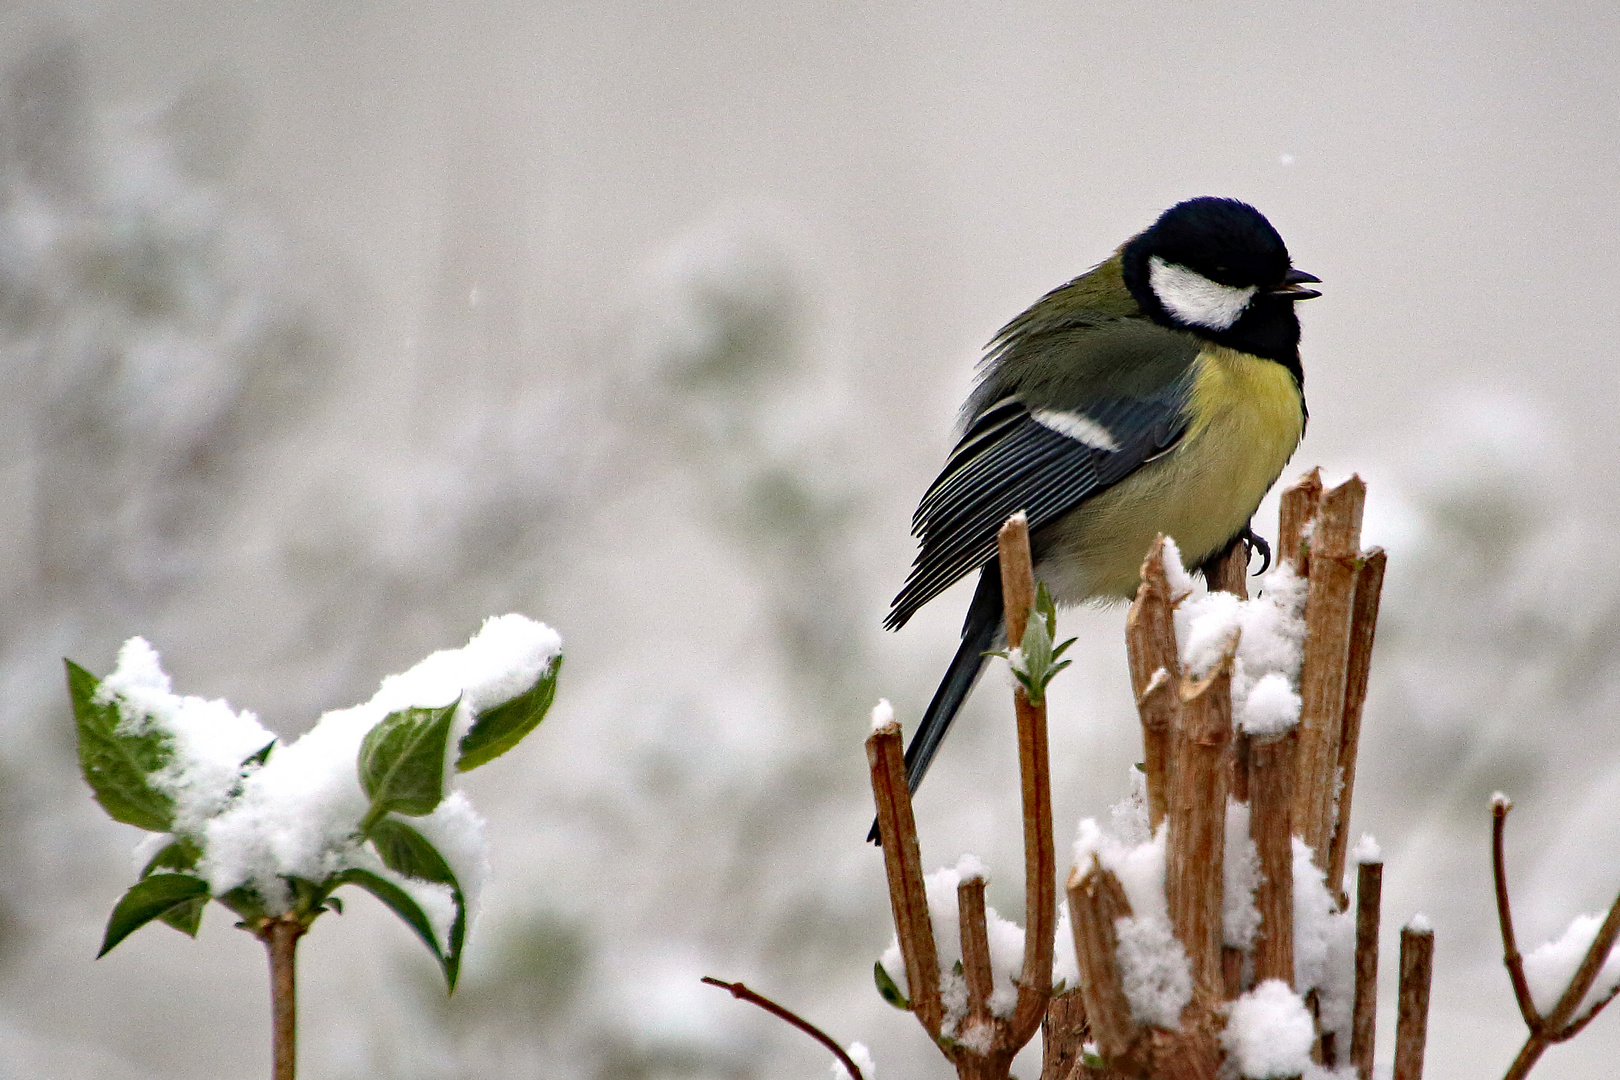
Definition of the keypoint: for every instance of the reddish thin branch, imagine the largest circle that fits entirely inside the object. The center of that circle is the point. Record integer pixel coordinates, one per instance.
(1504, 916)
(1562, 1023)
(1017, 575)
(738, 990)
(1557, 1022)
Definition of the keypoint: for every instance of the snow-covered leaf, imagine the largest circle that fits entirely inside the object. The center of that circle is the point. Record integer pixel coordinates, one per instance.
(180, 855)
(400, 902)
(118, 764)
(406, 851)
(497, 730)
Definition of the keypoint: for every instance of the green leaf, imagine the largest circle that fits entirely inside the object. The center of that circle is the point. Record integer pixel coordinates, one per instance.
(181, 854)
(402, 905)
(153, 898)
(1047, 608)
(186, 917)
(497, 730)
(1040, 663)
(117, 764)
(246, 903)
(402, 762)
(887, 989)
(406, 851)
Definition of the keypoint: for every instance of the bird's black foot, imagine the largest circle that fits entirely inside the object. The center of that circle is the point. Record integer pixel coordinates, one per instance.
(1256, 542)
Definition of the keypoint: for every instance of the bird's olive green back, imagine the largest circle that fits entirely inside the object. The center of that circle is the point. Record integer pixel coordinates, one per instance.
(1083, 343)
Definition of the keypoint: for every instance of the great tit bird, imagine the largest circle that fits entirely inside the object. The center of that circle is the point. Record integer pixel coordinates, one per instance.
(1159, 392)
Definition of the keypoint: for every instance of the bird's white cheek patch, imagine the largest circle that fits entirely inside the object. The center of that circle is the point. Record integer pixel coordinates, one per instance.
(1193, 298)
(1082, 429)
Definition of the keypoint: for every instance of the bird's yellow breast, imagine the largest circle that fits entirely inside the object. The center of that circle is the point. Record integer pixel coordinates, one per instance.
(1246, 416)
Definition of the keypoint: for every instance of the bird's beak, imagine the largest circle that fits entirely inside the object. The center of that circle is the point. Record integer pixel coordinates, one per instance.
(1293, 286)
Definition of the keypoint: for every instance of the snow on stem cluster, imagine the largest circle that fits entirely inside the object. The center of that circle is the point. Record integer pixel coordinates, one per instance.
(272, 831)
(1006, 940)
(1270, 631)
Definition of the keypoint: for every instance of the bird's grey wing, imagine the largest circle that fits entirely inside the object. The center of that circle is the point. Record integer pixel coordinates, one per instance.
(1043, 461)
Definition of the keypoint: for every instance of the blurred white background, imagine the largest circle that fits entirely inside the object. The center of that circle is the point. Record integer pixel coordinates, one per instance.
(327, 329)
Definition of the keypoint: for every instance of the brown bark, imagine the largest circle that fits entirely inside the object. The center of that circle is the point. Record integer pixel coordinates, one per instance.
(1150, 647)
(1064, 1034)
(1228, 571)
(1297, 507)
(1096, 902)
(1201, 777)
(903, 863)
(1363, 1025)
(976, 970)
(1271, 788)
(1335, 538)
(1035, 776)
(1412, 1014)
(1363, 626)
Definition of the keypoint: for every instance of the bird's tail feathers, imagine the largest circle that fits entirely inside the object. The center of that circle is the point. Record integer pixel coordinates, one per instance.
(979, 634)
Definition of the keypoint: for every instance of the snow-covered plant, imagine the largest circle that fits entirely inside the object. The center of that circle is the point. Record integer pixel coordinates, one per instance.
(365, 798)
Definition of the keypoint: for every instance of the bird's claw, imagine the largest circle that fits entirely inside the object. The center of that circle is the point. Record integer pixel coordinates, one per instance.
(1255, 543)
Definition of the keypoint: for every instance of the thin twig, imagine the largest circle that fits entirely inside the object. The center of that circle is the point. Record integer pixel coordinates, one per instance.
(1585, 975)
(902, 861)
(1500, 805)
(1412, 1015)
(738, 990)
(976, 970)
(1017, 575)
(1035, 773)
(1364, 1019)
(1562, 1023)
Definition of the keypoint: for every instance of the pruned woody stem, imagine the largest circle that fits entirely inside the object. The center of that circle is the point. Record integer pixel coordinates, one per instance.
(985, 1044)
(1297, 785)
(1193, 760)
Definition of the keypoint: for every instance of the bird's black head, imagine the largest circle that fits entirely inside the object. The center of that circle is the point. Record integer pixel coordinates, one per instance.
(1217, 268)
